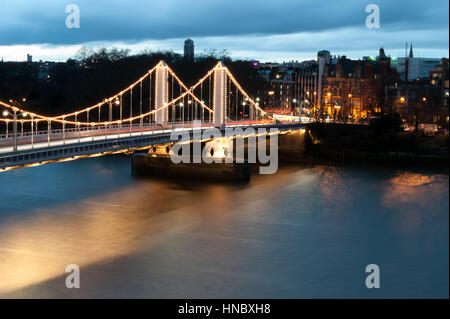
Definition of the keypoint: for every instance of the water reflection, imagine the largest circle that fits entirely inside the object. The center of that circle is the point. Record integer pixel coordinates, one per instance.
(102, 227)
(39, 248)
(415, 197)
(335, 189)
(279, 236)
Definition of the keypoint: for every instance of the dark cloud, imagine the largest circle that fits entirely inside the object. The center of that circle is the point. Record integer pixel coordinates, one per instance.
(42, 21)
(267, 29)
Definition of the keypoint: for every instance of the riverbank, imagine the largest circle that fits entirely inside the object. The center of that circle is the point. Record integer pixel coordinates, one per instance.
(359, 145)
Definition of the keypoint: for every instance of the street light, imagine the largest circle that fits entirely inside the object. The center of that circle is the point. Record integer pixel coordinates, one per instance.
(14, 115)
(402, 99)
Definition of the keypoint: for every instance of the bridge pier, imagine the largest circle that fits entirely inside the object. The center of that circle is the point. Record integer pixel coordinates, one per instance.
(162, 94)
(292, 146)
(158, 163)
(220, 95)
(162, 167)
(225, 160)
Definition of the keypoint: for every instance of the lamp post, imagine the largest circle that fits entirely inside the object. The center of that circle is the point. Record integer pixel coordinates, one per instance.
(14, 116)
(15, 110)
(182, 112)
(349, 107)
(417, 113)
(32, 137)
(243, 109)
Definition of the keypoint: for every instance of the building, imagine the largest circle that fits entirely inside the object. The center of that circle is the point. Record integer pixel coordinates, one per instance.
(287, 81)
(280, 86)
(424, 101)
(29, 58)
(354, 89)
(189, 51)
(411, 68)
(331, 86)
(325, 54)
(308, 87)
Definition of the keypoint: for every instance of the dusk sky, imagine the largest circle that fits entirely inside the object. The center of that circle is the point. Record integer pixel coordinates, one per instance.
(264, 30)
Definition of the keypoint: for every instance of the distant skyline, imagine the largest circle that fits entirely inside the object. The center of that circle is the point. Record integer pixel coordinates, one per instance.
(281, 30)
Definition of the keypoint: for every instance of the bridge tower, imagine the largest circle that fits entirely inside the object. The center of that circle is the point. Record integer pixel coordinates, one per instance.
(162, 93)
(220, 95)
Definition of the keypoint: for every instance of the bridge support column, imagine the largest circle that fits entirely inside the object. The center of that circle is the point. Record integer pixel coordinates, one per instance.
(220, 95)
(162, 94)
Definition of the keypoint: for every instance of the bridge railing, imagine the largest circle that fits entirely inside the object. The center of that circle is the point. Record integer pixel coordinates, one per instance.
(113, 129)
(75, 129)
(73, 136)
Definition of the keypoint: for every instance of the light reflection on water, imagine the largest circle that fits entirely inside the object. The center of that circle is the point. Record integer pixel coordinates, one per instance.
(304, 232)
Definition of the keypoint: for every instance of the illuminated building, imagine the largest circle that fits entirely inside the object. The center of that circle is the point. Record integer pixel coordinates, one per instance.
(356, 88)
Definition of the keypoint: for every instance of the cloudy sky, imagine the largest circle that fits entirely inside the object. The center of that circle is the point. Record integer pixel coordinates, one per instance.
(265, 30)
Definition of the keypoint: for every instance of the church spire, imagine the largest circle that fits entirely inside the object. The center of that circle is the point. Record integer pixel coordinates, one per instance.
(411, 55)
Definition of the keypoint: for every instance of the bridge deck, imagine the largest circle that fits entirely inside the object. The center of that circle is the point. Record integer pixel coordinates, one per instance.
(53, 147)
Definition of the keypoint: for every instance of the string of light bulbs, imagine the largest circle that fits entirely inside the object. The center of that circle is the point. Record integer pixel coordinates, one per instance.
(35, 118)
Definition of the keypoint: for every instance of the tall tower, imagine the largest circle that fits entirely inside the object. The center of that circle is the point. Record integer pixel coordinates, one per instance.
(162, 93)
(220, 95)
(189, 51)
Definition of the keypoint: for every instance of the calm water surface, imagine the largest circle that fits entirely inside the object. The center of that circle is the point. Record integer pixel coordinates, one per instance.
(305, 232)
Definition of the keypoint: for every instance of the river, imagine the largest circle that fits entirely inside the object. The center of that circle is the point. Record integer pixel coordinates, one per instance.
(305, 232)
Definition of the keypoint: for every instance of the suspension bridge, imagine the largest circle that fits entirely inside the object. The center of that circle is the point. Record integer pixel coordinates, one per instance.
(142, 115)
